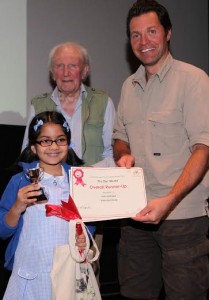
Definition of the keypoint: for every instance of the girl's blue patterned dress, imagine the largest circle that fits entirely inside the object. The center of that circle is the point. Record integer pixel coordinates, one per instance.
(30, 279)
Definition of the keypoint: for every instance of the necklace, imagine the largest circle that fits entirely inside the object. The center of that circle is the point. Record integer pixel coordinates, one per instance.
(55, 181)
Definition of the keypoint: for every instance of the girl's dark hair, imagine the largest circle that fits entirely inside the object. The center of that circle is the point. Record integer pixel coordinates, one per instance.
(35, 129)
(145, 6)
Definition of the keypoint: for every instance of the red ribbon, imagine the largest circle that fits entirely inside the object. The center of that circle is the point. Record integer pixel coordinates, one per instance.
(67, 210)
(79, 181)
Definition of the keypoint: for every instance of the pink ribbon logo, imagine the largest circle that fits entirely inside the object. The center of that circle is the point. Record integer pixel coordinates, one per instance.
(78, 175)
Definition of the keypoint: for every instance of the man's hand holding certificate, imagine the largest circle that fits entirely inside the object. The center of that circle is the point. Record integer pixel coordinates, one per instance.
(107, 193)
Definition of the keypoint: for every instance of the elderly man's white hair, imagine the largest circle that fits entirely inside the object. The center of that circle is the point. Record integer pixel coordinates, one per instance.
(83, 51)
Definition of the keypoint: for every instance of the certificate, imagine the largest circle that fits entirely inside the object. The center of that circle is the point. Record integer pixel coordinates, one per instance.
(107, 193)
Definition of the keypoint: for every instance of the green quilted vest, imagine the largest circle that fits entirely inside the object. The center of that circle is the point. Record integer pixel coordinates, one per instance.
(93, 110)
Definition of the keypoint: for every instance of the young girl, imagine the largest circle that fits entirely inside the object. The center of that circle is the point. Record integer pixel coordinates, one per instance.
(23, 219)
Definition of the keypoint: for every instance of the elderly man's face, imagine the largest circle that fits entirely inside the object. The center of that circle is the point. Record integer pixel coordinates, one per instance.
(68, 69)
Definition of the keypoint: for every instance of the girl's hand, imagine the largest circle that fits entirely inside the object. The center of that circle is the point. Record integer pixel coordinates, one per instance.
(80, 241)
(24, 196)
(22, 202)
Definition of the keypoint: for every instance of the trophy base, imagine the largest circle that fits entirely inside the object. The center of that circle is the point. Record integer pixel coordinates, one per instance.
(42, 197)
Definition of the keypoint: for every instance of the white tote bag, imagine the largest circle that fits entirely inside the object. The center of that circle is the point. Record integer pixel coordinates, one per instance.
(72, 276)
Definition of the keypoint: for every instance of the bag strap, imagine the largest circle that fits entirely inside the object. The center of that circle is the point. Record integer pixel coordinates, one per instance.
(87, 254)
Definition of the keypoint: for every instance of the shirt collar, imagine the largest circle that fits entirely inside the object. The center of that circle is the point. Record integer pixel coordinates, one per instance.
(140, 76)
(55, 94)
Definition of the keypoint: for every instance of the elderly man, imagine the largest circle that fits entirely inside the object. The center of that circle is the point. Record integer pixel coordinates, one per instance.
(89, 112)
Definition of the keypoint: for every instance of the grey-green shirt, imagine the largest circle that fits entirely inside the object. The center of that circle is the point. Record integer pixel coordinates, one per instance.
(161, 120)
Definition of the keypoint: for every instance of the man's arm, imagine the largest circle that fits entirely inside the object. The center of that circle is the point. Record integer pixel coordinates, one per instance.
(122, 154)
(193, 173)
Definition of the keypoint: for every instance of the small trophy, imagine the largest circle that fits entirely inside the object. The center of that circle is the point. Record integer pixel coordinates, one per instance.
(34, 176)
